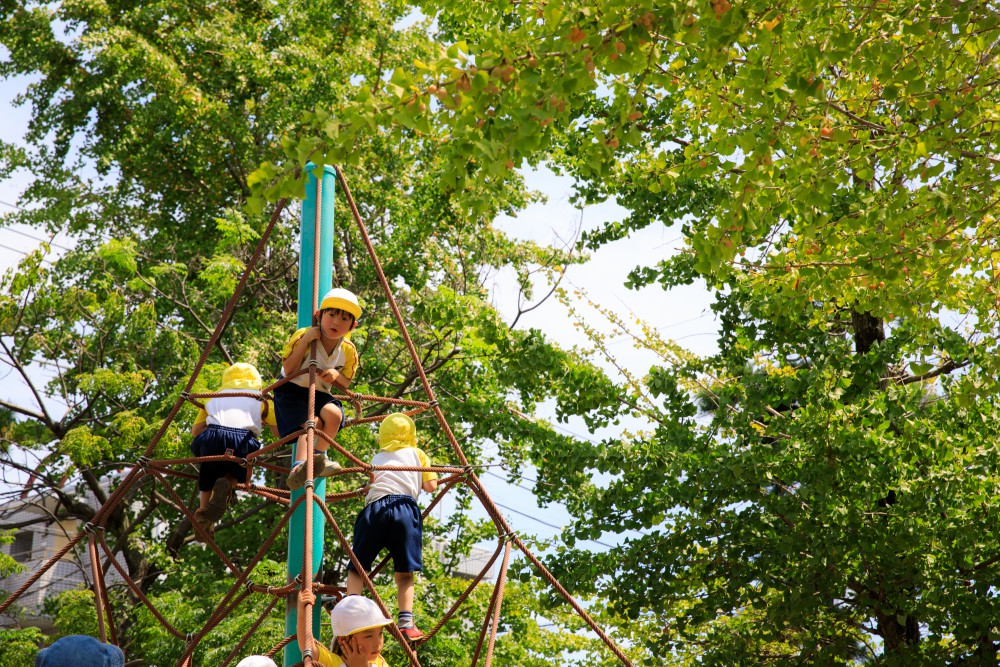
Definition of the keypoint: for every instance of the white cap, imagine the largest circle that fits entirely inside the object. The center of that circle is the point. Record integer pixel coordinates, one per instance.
(256, 661)
(356, 613)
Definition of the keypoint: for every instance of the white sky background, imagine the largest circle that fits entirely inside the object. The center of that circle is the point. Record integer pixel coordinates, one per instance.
(682, 314)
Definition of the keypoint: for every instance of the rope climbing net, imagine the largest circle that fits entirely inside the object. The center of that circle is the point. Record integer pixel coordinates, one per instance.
(158, 471)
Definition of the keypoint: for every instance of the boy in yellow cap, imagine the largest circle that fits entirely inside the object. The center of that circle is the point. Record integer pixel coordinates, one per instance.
(228, 424)
(336, 364)
(391, 518)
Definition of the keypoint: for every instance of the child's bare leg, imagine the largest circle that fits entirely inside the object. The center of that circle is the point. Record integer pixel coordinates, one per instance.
(404, 599)
(404, 591)
(355, 585)
(297, 476)
(203, 497)
(330, 416)
(300, 447)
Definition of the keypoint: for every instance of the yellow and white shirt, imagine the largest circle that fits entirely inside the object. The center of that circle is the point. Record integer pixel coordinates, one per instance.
(343, 359)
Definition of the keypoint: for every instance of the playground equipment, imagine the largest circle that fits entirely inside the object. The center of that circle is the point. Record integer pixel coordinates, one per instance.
(306, 524)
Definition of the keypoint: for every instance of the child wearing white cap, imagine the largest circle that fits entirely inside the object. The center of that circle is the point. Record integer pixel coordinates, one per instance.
(336, 364)
(256, 661)
(357, 624)
(228, 423)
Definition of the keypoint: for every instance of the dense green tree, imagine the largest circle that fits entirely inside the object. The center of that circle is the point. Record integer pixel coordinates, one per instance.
(833, 169)
(148, 120)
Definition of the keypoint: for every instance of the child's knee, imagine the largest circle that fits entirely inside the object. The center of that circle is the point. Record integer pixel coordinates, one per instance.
(331, 416)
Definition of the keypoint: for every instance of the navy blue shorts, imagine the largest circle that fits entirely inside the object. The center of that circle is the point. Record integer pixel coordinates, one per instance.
(291, 407)
(393, 523)
(214, 441)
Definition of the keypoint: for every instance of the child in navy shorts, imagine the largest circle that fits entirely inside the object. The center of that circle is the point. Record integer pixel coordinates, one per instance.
(391, 518)
(228, 423)
(336, 364)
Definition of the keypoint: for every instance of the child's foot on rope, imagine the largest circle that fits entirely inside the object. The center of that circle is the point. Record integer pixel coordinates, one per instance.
(297, 477)
(219, 501)
(412, 633)
(330, 468)
(206, 524)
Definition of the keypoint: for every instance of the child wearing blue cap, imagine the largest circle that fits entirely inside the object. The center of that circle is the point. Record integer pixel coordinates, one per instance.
(80, 651)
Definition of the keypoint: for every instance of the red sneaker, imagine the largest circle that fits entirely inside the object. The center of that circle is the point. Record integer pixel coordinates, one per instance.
(412, 633)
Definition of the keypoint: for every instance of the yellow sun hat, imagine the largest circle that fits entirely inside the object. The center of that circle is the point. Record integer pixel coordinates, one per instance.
(343, 299)
(241, 376)
(397, 430)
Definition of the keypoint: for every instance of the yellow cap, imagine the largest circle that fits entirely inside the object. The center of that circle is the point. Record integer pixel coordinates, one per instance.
(343, 299)
(397, 430)
(241, 376)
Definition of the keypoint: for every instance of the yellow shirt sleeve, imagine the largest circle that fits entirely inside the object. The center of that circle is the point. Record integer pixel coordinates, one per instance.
(290, 345)
(202, 416)
(425, 462)
(350, 359)
(325, 658)
(267, 413)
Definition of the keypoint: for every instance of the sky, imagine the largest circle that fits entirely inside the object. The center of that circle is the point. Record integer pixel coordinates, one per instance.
(682, 314)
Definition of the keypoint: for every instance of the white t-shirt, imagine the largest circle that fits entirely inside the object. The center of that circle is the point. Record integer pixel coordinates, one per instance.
(393, 482)
(236, 412)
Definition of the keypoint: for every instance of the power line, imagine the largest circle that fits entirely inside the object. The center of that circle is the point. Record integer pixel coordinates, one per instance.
(35, 238)
(18, 251)
(545, 523)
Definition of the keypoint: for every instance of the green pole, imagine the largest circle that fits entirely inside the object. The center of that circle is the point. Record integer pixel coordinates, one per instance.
(308, 302)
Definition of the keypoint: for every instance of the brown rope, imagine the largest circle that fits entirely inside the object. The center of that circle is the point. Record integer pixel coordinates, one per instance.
(443, 422)
(242, 588)
(249, 633)
(467, 592)
(493, 617)
(367, 582)
(498, 591)
(138, 591)
(98, 593)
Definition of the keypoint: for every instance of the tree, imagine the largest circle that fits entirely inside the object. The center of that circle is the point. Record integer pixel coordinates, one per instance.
(832, 167)
(148, 120)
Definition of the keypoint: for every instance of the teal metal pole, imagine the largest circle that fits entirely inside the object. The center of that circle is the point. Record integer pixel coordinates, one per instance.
(308, 302)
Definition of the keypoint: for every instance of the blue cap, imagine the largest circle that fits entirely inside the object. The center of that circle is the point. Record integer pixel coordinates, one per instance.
(80, 651)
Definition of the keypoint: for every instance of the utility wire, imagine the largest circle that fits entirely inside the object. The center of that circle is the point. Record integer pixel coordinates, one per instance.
(546, 523)
(35, 238)
(17, 250)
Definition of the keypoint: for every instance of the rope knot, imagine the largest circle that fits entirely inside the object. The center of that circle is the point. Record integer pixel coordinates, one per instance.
(142, 462)
(311, 423)
(308, 484)
(432, 403)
